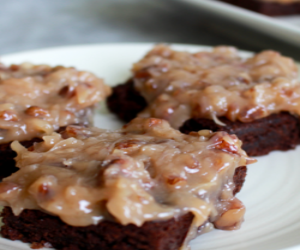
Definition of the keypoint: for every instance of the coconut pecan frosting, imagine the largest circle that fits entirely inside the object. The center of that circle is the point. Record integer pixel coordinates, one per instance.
(38, 99)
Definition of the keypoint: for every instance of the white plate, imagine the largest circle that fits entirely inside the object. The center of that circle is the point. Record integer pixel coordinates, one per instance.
(293, 19)
(283, 29)
(271, 191)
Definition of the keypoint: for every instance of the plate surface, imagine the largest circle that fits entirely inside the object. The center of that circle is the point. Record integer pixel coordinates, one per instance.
(281, 28)
(271, 191)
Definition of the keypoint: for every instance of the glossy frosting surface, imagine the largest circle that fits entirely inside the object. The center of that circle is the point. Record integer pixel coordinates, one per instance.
(37, 99)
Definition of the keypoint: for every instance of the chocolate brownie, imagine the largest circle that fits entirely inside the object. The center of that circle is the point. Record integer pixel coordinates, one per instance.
(44, 230)
(276, 8)
(37, 100)
(260, 137)
(218, 87)
(132, 180)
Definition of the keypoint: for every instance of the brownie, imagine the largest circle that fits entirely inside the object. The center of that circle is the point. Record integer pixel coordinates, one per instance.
(98, 189)
(38, 99)
(267, 8)
(41, 229)
(275, 132)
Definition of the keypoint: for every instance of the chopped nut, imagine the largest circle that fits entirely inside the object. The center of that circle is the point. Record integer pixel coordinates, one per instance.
(143, 75)
(14, 67)
(37, 112)
(205, 132)
(74, 131)
(8, 115)
(56, 68)
(230, 219)
(43, 189)
(126, 144)
(193, 133)
(67, 92)
(226, 146)
(172, 180)
(154, 121)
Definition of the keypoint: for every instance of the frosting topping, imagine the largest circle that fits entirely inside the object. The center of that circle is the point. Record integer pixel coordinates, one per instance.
(209, 84)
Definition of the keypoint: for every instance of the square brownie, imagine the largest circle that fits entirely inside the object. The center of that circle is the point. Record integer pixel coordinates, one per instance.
(37, 100)
(146, 186)
(219, 88)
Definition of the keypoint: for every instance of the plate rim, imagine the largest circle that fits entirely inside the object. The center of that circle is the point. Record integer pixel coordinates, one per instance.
(116, 44)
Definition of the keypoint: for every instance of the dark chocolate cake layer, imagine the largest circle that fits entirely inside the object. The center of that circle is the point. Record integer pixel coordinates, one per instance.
(275, 132)
(267, 8)
(42, 229)
(7, 155)
(239, 178)
(125, 101)
(39, 228)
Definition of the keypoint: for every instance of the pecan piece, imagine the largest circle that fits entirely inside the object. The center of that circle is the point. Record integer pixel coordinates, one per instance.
(37, 112)
(67, 92)
(8, 115)
(225, 146)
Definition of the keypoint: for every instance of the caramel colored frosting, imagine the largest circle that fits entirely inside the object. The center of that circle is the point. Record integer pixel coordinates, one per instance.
(37, 99)
(210, 84)
(146, 171)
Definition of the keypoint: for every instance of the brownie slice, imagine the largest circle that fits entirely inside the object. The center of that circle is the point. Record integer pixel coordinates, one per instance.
(275, 132)
(103, 181)
(267, 8)
(42, 229)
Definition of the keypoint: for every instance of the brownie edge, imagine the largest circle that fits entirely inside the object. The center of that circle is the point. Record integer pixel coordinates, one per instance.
(260, 137)
(125, 101)
(39, 228)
